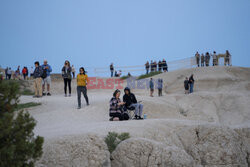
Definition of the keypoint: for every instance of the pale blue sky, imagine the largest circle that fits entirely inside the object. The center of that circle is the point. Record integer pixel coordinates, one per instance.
(94, 33)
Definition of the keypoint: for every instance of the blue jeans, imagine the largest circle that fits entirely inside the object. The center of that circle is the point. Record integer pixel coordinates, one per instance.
(191, 88)
(112, 72)
(138, 108)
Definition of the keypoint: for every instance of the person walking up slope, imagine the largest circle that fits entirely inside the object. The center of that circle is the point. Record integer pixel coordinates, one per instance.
(151, 86)
(82, 81)
(160, 86)
(186, 85)
(191, 83)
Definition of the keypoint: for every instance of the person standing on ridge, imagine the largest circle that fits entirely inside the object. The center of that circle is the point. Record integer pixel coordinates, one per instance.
(214, 59)
(197, 57)
(147, 67)
(46, 77)
(38, 80)
(66, 74)
(112, 69)
(202, 60)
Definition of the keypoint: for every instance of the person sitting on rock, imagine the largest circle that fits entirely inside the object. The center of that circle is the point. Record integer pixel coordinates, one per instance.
(130, 101)
(116, 111)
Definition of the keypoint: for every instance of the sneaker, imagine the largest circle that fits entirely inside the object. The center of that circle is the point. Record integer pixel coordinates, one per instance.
(69, 95)
(44, 94)
(87, 104)
(65, 95)
(34, 96)
(136, 117)
(111, 119)
(78, 107)
(139, 118)
(48, 94)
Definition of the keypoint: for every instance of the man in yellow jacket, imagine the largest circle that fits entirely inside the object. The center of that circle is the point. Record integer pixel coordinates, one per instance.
(82, 81)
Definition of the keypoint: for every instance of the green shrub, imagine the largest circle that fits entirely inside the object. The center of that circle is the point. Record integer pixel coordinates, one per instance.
(27, 105)
(149, 75)
(27, 92)
(113, 139)
(124, 77)
(18, 145)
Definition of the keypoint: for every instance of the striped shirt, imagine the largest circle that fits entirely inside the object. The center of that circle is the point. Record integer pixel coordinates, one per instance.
(114, 107)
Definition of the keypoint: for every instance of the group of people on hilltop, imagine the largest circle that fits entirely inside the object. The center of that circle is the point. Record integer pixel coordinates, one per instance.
(8, 73)
(204, 59)
(114, 73)
(154, 66)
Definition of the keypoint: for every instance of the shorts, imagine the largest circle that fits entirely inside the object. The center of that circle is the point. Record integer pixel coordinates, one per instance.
(47, 80)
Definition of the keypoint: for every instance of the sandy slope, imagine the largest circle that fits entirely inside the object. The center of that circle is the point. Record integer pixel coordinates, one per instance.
(221, 96)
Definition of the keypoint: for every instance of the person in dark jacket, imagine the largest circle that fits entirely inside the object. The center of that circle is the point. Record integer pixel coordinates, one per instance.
(186, 85)
(38, 80)
(164, 65)
(130, 101)
(111, 69)
(202, 60)
(147, 67)
(160, 86)
(207, 59)
(191, 83)
(159, 65)
(116, 111)
(66, 74)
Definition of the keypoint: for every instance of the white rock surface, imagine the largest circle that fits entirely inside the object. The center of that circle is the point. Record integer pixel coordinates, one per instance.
(140, 152)
(219, 110)
(212, 145)
(80, 151)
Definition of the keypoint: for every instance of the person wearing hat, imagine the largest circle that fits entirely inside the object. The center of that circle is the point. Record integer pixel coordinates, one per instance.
(130, 101)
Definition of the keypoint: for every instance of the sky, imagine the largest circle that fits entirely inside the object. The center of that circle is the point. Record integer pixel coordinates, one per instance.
(94, 33)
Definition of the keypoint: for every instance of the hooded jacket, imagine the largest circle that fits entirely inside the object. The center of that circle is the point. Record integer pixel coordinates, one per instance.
(129, 99)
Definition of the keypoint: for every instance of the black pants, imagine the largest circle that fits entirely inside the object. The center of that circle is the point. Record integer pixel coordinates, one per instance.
(121, 116)
(82, 89)
(159, 92)
(67, 82)
(112, 73)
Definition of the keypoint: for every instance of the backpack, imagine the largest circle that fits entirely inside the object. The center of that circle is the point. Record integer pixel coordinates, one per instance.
(44, 74)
